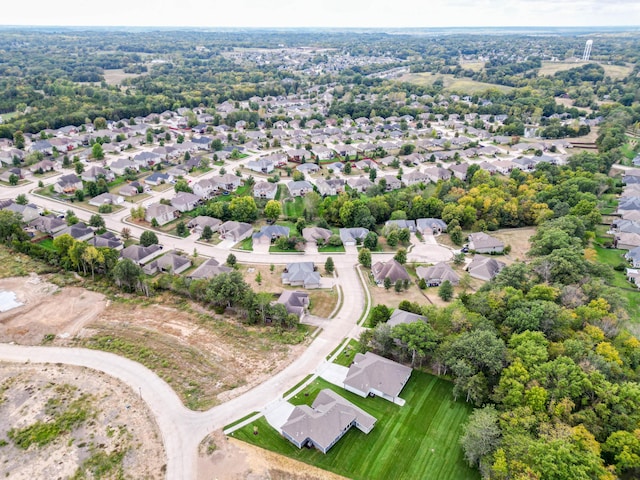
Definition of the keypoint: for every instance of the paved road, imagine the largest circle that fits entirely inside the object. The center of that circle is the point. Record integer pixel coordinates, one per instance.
(182, 429)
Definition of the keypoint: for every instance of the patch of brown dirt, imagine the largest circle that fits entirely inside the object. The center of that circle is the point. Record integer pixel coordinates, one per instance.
(235, 460)
(47, 309)
(121, 423)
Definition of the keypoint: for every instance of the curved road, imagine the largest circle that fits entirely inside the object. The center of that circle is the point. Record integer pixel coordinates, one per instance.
(183, 429)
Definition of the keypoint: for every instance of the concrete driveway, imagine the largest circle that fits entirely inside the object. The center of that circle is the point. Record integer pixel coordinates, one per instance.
(333, 373)
(278, 413)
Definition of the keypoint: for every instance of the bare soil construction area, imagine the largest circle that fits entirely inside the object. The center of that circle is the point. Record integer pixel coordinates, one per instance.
(72, 422)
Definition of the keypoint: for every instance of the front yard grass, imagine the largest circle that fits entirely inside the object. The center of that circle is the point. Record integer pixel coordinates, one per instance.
(331, 249)
(346, 356)
(418, 440)
(322, 302)
(293, 208)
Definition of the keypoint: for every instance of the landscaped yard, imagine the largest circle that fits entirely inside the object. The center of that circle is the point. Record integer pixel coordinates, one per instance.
(331, 249)
(293, 208)
(613, 257)
(346, 356)
(418, 440)
(322, 302)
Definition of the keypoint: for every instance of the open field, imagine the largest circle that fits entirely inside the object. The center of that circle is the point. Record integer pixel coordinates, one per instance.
(616, 72)
(74, 422)
(418, 440)
(452, 83)
(116, 76)
(518, 238)
(613, 257)
(472, 65)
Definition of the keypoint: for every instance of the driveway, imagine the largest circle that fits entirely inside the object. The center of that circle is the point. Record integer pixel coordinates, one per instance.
(333, 373)
(277, 414)
(261, 248)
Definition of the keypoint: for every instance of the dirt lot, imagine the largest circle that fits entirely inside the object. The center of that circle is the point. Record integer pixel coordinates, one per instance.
(47, 310)
(236, 460)
(117, 435)
(518, 238)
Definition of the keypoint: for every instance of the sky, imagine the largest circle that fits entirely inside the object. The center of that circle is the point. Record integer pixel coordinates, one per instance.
(324, 13)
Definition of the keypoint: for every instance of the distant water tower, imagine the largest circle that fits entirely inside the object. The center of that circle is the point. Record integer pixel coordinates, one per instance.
(587, 51)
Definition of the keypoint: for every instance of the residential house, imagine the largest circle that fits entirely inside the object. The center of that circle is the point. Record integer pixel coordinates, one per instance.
(626, 240)
(353, 236)
(141, 255)
(633, 276)
(391, 183)
(265, 190)
(400, 316)
(209, 269)
(460, 171)
(269, 233)
(204, 188)
(296, 155)
(68, 184)
(435, 174)
(299, 188)
(373, 375)
(48, 224)
(315, 234)
(633, 256)
(185, 201)
(296, 302)
(322, 153)
(622, 225)
(480, 242)
(28, 212)
(261, 165)
(79, 232)
(94, 173)
(414, 178)
(226, 182)
(146, 159)
(6, 175)
(43, 166)
(308, 168)
(170, 262)
(128, 190)
(360, 184)
(391, 269)
(408, 224)
(106, 199)
(158, 178)
(366, 163)
(430, 226)
(161, 213)
(198, 223)
(503, 166)
(301, 274)
(328, 419)
(107, 239)
(235, 231)
(484, 268)
(438, 273)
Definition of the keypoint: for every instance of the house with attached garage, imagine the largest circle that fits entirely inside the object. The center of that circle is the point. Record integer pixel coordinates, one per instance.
(269, 233)
(326, 421)
(400, 316)
(48, 224)
(198, 223)
(373, 375)
(633, 256)
(360, 185)
(295, 302)
(93, 174)
(438, 273)
(170, 262)
(141, 255)
(265, 190)
(480, 242)
(390, 269)
(209, 269)
(235, 231)
(185, 201)
(161, 213)
(301, 274)
(121, 165)
(299, 188)
(106, 199)
(68, 184)
(261, 166)
(79, 232)
(353, 236)
(158, 178)
(484, 268)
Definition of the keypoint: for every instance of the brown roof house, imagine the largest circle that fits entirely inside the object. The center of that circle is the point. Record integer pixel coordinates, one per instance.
(68, 184)
(484, 268)
(170, 262)
(325, 422)
(480, 242)
(391, 269)
(438, 273)
(371, 375)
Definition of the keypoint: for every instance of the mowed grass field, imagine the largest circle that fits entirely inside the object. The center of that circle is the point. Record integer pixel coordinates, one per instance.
(417, 441)
(616, 72)
(452, 83)
(613, 257)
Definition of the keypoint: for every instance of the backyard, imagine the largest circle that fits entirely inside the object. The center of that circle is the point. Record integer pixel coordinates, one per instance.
(424, 433)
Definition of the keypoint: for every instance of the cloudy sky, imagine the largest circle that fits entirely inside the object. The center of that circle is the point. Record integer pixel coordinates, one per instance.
(324, 13)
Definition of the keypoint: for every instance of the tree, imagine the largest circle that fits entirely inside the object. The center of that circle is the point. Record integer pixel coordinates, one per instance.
(99, 123)
(92, 257)
(456, 235)
(13, 179)
(364, 257)
(387, 283)
(624, 447)
(127, 274)
(97, 221)
(79, 168)
(404, 235)
(182, 185)
(329, 267)
(148, 238)
(22, 199)
(401, 256)
(181, 229)
(18, 140)
(207, 233)
(10, 226)
(418, 338)
(126, 233)
(347, 168)
(272, 210)
(97, 152)
(231, 260)
(298, 176)
(371, 241)
(481, 435)
(71, 217)
(379, 314)
(243, 209)
(445, 291)
(393, 238)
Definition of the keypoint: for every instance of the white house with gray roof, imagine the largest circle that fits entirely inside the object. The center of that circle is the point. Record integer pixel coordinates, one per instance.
(371, 374)
(301, 274)
(351, 236)
(324, 423)
(482, 243)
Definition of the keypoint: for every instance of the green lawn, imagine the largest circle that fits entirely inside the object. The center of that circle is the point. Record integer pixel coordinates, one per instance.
(346, 356)
(246, 244)
(613, 257)
(294, 208)
(47, 244)
(416, 441)
(331, 249)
